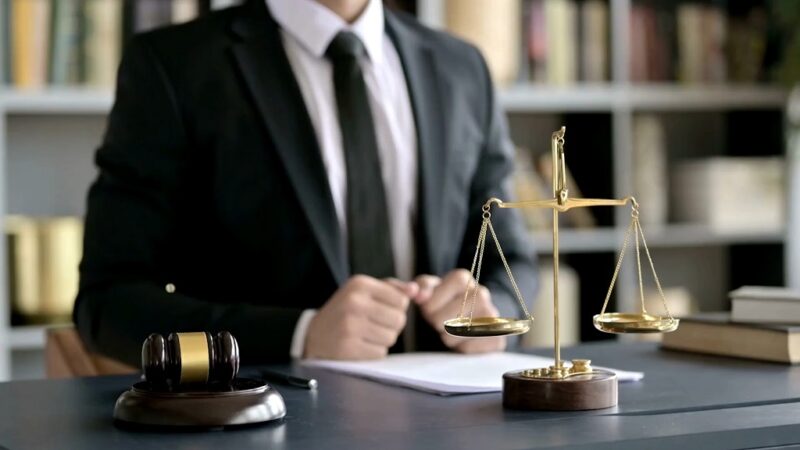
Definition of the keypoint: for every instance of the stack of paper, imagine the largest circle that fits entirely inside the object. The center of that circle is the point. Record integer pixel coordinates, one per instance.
(446, 373)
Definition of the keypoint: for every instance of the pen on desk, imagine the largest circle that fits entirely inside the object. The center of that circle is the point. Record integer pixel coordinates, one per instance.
(291, 380)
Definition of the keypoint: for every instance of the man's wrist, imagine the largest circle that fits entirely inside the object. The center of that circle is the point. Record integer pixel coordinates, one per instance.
(300, 332)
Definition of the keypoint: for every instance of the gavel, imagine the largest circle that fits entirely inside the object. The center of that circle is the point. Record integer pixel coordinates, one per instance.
(186, 359)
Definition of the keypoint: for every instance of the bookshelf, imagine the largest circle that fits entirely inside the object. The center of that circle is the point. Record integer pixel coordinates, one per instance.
(62, 127)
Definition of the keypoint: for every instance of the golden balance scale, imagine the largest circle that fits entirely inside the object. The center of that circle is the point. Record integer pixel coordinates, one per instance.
(574, 386)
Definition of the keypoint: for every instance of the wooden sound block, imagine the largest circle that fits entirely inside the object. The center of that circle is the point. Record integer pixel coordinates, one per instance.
(595, 390)
(245, 401)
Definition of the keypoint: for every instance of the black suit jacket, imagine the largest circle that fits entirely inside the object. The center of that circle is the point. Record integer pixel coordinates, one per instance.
(211, 179)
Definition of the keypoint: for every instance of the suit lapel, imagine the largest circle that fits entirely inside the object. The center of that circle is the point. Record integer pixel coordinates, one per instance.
(422, 78)
(268, 76)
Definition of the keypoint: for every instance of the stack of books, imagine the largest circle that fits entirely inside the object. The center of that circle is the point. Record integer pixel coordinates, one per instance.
(764, 324)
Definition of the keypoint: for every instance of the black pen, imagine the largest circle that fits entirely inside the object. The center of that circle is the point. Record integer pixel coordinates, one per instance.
(291, 380)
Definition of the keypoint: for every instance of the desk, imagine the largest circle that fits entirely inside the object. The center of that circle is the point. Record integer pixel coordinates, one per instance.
(685, 400)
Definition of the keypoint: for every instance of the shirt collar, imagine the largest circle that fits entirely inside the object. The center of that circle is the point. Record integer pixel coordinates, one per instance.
(314, 26)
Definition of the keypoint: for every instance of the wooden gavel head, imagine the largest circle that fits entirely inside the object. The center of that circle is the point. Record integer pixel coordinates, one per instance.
(190, 359)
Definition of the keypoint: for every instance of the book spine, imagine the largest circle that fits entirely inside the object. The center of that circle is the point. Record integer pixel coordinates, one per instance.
(102, 39)
(562, 41)
(594, 41)
(30, 38)
(66, 39)
(537, 42)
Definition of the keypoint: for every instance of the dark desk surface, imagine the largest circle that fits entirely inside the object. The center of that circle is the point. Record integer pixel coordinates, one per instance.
(684, 400)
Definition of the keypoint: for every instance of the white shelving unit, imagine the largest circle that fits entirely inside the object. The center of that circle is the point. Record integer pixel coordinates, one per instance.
(62, 127)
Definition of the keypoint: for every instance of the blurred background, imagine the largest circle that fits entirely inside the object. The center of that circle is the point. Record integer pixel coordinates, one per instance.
(685, 104)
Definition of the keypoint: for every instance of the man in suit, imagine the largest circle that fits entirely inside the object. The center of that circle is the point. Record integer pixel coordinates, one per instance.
(306, 174)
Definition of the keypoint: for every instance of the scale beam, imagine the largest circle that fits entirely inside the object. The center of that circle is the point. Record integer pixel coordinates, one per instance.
(568, 204)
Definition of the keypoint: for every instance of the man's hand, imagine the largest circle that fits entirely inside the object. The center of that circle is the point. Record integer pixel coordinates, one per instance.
(440, 299)
(361, 321)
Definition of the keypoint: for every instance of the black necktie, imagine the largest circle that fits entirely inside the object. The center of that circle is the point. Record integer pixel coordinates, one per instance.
(369, 239)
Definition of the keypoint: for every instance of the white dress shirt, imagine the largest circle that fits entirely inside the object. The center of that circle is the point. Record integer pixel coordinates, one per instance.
(307, 28)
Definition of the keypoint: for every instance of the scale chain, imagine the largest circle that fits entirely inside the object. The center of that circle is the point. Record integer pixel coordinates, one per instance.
(638, 232)
(478, 251)
(616, 269)
(653, 269)
(508, 271)
(477, 264)
(476, 279)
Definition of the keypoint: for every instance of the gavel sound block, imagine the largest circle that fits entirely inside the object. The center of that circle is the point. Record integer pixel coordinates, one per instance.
(190, 381)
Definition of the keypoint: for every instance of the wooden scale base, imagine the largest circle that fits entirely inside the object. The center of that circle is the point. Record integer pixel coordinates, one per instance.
(593, 390)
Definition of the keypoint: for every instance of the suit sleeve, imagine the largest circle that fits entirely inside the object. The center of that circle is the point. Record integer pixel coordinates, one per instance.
(493, 179)
(131, 219)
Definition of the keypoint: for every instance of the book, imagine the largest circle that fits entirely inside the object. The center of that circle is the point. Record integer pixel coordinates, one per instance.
(561, 17)
(714, 333)
(60, 251)
(638, 42)
(594, 41)
(30, 29)
(536, 42)
(22, 242)
(102, 41)
(66, 51)
(495, 31)
(715, 32)
(691, 44)
(765, 305)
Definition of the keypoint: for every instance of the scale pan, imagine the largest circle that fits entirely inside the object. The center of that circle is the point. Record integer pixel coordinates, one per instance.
(634, 323)
(486, 326)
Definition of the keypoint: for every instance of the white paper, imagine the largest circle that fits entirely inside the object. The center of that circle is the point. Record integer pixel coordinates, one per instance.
(447, 373)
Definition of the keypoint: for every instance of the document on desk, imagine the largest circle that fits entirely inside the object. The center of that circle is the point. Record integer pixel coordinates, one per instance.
(446, 373)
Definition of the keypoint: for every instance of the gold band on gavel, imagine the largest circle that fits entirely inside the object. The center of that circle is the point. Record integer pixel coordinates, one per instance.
(194, 357)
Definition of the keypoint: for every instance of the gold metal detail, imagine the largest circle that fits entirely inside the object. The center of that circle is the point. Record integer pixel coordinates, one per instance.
(194, 357)
(578, 367)
(581, 366)
(466, 325)
(486, 326)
